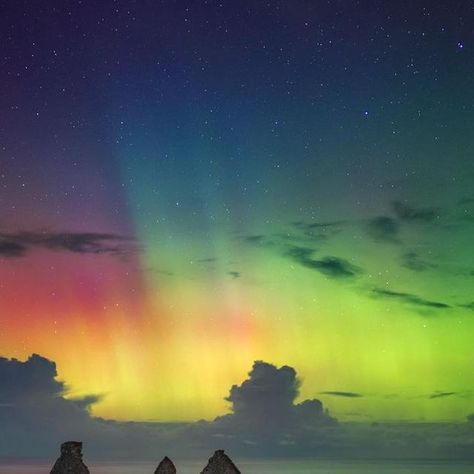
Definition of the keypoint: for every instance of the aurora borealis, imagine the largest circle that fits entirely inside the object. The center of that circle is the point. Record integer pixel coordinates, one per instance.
(189, 187)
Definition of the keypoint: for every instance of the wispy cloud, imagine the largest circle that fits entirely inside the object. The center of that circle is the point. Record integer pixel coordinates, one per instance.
(383, 229)
(319, 231)
(15, 245)
(408, 298)
(10, 248)
(469, 306)
(336, 393)
(442, 394)
(332, 267)
(414, 262)
(407, 213)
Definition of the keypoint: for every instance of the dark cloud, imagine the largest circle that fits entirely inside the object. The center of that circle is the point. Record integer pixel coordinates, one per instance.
(234, 274)
(383, 229)
(411, 214)
(9, 248)
(318, 225)
(255, 239)
(342, 394)
(300, 254)
(466, 201)
(35, 416)
(207, 260)
(263, 406)
(387, 228)
(412, 261)
(265, 421)
(319, 231)
(469, 306)
(21, 379)
(442, 394)
(408, 298)
(333, 267)
(18, 244)
(33, 407)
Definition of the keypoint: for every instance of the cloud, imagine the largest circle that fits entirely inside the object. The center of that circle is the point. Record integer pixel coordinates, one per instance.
(19, 244)
(9, 248)
(383, 229)
(300, 254)
(332, 267)
(442, 394)
(408, 298)
(319, 231)
(411, 214)
(255, 239)
(21, 379)
(335, 267)
(35, 416)
(263, 406)
(412, 261)
(32, 402)
(234, 274)
(387, 228)
(207, 260)
(318, 225)
(466, 201)
(264, 421)
(342, 394)
(469, 306)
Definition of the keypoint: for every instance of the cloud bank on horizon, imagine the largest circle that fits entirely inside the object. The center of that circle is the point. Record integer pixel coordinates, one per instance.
(265, 421)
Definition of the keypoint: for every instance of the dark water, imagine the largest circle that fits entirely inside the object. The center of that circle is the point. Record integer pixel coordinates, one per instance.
(264, 467)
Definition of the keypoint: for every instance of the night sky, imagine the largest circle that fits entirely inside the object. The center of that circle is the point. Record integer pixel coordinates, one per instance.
(189, 187)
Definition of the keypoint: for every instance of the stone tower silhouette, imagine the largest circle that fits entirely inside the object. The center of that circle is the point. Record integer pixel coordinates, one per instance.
(220, 463)
(166, 466)
(70, 461)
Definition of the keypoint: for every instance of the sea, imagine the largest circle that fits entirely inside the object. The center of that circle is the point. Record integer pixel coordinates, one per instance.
(262, 467)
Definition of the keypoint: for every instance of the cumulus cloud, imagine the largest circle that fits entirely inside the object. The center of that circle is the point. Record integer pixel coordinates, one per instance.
(268, 396)
(36, 416)
(265, 420)
(32, 404)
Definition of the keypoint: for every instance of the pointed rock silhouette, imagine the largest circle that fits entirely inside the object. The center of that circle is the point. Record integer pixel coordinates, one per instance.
(166, 466)
(70, 461)
(220, 463)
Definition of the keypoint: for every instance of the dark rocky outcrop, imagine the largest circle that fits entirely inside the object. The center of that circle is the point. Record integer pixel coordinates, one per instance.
(166, 466)
(70, 461)
(220, 463)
